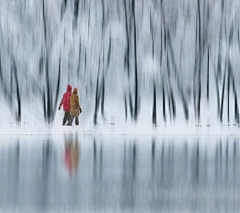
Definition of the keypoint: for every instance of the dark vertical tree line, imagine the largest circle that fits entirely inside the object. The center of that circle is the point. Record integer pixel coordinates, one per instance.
(13, 94)
(132, 96)
(198, 64)
(168, 69)
(49, 94)
(102, 71)
(137, 90)
(18, 95)
(154, 109)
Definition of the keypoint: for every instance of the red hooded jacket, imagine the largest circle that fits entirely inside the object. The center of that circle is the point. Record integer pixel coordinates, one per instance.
(66, 99)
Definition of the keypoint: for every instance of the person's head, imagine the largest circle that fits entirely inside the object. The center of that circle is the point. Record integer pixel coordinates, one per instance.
(69, 88)
(75, 90)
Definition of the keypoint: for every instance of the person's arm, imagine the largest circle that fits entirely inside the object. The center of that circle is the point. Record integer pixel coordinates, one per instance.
(78, 105)
(61, 103)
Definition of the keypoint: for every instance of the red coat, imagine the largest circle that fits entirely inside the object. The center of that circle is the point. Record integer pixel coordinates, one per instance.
(66, 99)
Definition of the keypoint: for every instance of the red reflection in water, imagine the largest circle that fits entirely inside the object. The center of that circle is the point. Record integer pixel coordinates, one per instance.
(71, 157)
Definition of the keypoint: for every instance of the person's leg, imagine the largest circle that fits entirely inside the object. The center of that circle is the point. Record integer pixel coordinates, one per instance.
(70, 119)
(76, 121)
(65, 118)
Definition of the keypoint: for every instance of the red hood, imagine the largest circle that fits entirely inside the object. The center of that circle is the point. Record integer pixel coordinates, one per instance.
(69, 88)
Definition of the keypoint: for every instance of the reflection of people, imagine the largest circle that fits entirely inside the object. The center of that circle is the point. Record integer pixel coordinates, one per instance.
(71, 156)
(75, 157)
(75, 108)
(66, 105)
(67, 158)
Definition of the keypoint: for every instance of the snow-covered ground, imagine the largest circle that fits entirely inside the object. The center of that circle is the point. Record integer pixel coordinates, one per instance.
(12, 128)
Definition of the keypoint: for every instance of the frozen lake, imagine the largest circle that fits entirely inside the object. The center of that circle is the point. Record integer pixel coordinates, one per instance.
(75, 173)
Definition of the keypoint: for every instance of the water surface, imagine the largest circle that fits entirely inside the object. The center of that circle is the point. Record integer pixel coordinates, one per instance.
(74, 173)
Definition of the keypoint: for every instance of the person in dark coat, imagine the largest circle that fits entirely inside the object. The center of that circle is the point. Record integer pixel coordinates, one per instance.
(75, 108)
(66, 105)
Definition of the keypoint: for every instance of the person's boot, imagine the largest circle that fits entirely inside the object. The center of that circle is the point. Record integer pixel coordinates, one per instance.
(69, 123)
(76, 121)
(64, 119)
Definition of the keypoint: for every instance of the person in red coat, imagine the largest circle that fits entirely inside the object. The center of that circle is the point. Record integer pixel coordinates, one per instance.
(66, 105)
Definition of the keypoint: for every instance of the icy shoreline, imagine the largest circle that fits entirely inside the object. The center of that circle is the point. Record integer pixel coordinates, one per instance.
(91, 129)
(115, 125)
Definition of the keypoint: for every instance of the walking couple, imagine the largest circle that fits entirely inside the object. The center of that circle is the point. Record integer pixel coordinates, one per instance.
(71, 106)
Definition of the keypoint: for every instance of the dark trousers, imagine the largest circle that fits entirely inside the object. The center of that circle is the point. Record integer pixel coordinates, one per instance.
(76, 120)
(67, 117)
